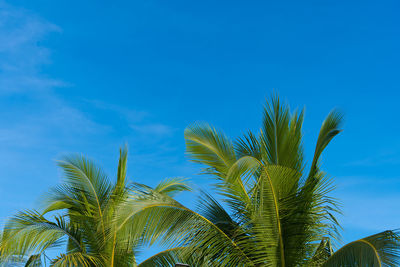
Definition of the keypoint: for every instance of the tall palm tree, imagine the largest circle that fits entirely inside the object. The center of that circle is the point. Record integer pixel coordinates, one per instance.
(79, 219)
(273, 212)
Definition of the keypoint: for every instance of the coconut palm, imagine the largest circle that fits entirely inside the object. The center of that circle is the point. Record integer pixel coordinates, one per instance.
(273, 211)
(79, 219)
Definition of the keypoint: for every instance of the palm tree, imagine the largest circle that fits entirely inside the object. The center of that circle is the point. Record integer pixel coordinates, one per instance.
(272, 212)
(82, 214)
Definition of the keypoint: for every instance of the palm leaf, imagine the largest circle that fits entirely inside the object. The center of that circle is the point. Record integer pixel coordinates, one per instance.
(329, 129)
(76, 259)
(381, 249)
(29, 232)
(84, 176)
(170, 223)
(120, 186)
(281, 135)
(248, 145)
(322, 253)
(172, 186)
(164, 258)
(210, 147)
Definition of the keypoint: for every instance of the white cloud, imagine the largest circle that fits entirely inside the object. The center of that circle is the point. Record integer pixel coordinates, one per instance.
(41, 117)
(20, 27)
(21, 56)
(37, 125)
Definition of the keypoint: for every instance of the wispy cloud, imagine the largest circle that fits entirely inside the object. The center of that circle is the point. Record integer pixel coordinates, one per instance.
(22, 27)
(32, 113)
(140, 122)
(37, 124)
(21, 56)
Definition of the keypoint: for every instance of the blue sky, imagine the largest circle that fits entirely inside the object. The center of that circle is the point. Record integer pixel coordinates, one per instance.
(89, 76)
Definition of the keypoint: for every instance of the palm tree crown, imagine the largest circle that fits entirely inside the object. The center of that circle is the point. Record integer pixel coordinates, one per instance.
(273, 212)
(272, 208)
(84, 208)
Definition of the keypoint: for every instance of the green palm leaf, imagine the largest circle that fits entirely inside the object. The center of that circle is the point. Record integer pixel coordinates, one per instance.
(210, 147)
(76, 259)
(281, 136)
(381, 249)
(87, 205)
(164, 258)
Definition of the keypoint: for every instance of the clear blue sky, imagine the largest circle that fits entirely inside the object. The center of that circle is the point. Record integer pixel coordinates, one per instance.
(88, 76)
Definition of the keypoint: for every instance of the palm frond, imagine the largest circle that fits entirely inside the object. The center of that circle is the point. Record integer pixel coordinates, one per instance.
(275, 184)
(172, 186)
(170, 257)
(210, 147)
(89, 185)
(248, 145)
(120, 186)
(29, 233)
(382, 249)
(329, 129)
(170, 223)
(281, 135)
(164, 258)
(238, 182)
(83, 175)
(322, 253)
(76, 259)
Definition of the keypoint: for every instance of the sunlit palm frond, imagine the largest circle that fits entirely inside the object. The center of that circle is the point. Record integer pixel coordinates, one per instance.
(89, 185)
(381, 249)
(82, 175)
(170, 257)
(77, 259)
(281, 135)
(274, 198)
(64, 197)
(90, 206)
(167, 258)
(172, 186)
(170, 223)
(248, 145)
(238, 183)
(30, 233)
(329, 129)
(120, 185)
(284, 211)
(210, 147)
